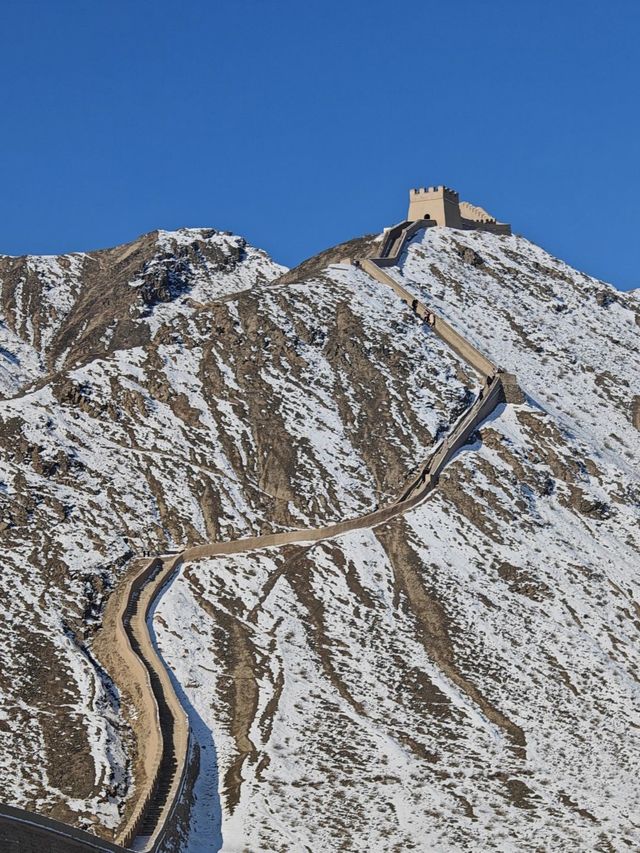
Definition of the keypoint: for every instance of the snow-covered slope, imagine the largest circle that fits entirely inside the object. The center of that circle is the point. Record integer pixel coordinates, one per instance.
(572, 340)
(60, 311)
(466, 677)
(76, 499)
(241, 411)
(462, 678)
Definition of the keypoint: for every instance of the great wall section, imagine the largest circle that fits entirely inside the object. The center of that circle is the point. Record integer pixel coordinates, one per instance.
(125, 644)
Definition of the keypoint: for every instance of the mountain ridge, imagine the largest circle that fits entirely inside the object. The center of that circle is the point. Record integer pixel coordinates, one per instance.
(328, 370)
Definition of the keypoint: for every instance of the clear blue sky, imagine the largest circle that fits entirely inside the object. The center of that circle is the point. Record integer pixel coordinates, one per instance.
(302, 124)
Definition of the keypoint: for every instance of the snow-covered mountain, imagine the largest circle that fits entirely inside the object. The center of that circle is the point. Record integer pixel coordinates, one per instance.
(464, 677)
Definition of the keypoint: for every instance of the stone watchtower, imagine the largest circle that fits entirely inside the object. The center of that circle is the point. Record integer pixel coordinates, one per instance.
(443, 206)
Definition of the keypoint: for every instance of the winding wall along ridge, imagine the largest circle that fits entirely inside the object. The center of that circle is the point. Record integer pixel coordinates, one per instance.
(167, 752)
(151, 818)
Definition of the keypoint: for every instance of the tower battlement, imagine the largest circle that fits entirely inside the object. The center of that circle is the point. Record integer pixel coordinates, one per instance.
(442, 205)
(434, 192)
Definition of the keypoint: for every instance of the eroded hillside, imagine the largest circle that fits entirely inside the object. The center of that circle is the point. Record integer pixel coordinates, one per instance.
(230, 409)
(462, 677)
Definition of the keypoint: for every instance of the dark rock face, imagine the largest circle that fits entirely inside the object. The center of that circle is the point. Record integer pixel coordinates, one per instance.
(469, 256)
(166, 281)
(604, 298)
(170, 276)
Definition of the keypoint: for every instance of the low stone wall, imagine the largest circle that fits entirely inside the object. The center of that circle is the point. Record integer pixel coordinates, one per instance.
(112, 646)
(178, 823)
(168, 742)
(498, 387)
(396, 237)
(25, 832)
(480, 363)
(176, 743)
(492, 227)
(444, 330)
(491, 395)
(126, 650)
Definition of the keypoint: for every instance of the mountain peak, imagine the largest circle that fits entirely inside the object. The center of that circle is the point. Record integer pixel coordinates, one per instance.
(66, 309)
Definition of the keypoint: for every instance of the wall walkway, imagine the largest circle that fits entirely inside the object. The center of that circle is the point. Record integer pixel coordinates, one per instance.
(150, 821)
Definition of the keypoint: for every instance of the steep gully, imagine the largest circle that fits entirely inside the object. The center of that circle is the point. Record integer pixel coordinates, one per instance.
(126, 646)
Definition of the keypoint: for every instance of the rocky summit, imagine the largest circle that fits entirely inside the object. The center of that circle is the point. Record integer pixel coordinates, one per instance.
(459, 674)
